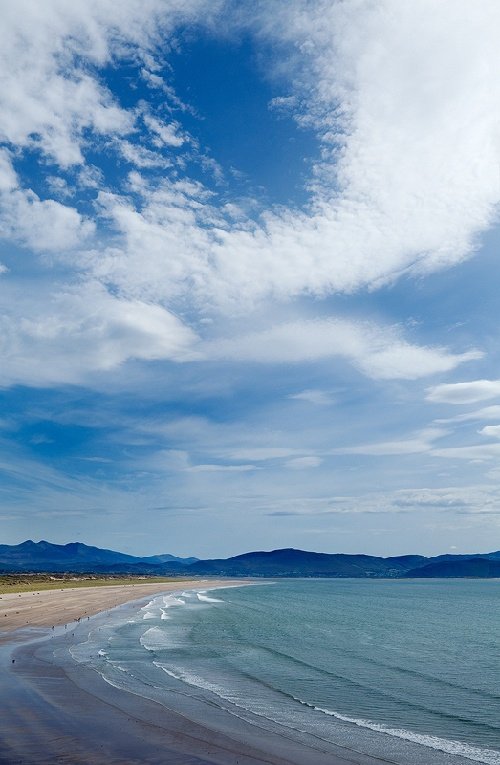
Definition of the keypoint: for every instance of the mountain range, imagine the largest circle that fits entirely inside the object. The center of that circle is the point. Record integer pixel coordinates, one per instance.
(76, 557)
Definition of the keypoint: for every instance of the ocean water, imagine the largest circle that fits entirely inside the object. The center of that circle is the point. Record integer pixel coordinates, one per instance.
(404, 670)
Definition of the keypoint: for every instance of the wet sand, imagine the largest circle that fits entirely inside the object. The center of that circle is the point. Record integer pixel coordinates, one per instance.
(56, 711)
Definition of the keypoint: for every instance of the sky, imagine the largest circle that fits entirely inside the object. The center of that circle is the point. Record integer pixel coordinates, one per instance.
(249, 275)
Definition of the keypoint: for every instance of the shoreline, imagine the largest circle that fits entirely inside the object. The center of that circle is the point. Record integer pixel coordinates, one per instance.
(58, 711)
(59, 606)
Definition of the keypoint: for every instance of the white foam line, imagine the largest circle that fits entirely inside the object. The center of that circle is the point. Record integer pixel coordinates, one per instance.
(475, 753)
(206, 599)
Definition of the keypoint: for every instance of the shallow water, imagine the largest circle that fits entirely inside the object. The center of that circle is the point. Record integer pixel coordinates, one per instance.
(405, 670)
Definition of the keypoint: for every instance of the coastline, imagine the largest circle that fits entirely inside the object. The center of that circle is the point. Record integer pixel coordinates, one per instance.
(60, 712)
(57, 607)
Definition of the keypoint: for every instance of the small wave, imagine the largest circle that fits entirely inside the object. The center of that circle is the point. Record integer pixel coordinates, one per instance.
(149, 615)
(172, 600)
(235, 700)
(155, 639)
(475, 753)
(365, 658)
(367, 687)
(118, 666)
(206, 599)
(458, 748)
(198, 682)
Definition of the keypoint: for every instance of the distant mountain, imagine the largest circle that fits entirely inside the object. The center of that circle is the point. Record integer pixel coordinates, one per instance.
(479, 568)
(489, 556)
(80, 558)
(291, 562)
(169, 559)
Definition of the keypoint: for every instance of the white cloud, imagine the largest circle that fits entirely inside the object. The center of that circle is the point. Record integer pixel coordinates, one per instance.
(419, 443)
(8, 176)
(471, 500)
(467, 500)
(42, 225)
(405, 101)
(465, 392)
(90, 176)
(317, 397)
(378, 352)
(486, 413)
(166, 134)
(475, 452)
(408, 91)
(175, 218)
(140, 156)
(83, 330)
(262, 453)
(447, 498)
(491, 430)
(423, 442)
(303, 463)
(59, 186)
(215, 468)
(411, 95)
(50, 94)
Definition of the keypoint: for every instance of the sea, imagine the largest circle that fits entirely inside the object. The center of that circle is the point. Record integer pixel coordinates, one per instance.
(404, 670)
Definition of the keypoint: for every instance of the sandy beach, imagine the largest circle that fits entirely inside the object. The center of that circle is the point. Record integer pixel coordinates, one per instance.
(57, 711)
(56, 607)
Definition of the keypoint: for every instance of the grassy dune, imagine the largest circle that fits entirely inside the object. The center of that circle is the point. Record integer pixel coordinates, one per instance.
(39, 582)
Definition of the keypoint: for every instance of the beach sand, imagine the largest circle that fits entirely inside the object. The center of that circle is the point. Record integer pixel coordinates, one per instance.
(49, 608)
(56, 711)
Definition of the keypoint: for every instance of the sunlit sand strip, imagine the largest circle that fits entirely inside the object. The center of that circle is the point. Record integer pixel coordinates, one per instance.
(50, 608)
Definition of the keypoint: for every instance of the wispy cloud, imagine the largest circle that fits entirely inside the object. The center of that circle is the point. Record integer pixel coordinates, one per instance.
(79, 342)
(471, 452)
(216, 468)
(379, 352)
(417, 444)
(473, 500)
(486, 413)
(464, 392)
(303, 463)
(491, 430)
(312, 396)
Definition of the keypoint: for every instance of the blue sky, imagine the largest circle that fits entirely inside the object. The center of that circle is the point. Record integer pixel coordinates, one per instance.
(249, 275)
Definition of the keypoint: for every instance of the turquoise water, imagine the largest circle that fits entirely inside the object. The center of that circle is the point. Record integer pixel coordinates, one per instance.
(407, 670)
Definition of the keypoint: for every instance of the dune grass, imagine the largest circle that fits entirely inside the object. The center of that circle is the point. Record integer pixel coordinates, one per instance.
(39, 582)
